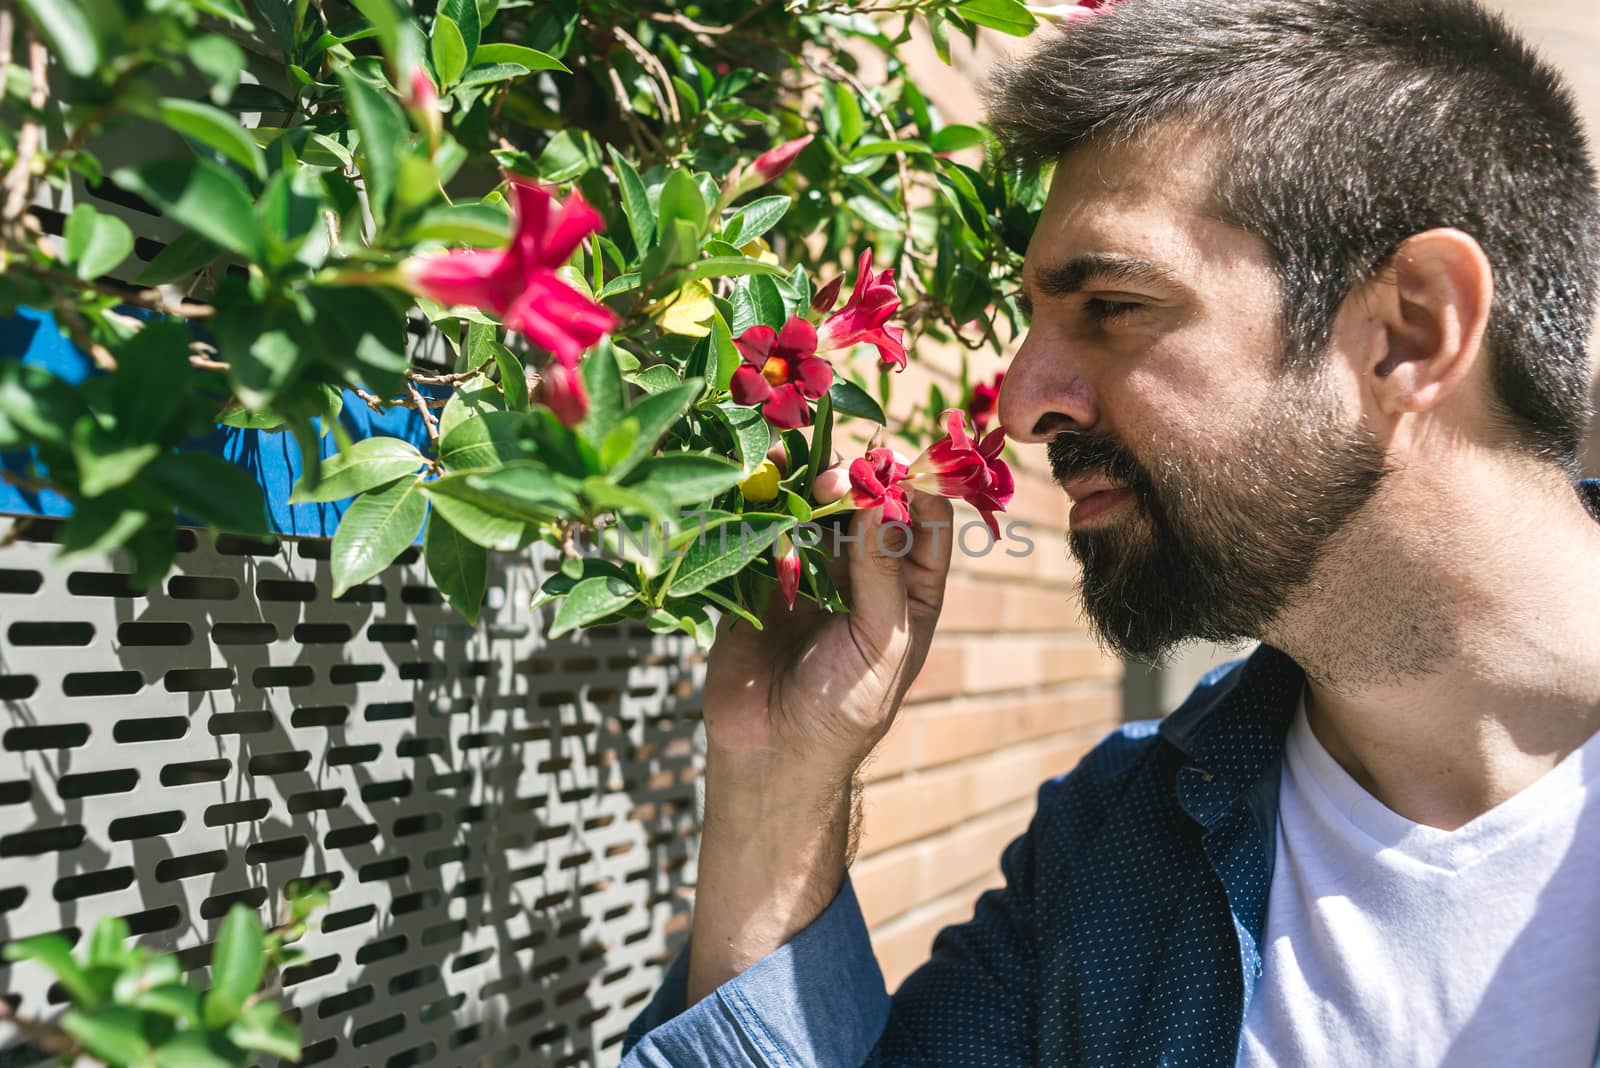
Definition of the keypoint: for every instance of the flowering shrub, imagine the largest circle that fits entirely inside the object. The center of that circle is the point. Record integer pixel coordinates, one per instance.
(615, 215)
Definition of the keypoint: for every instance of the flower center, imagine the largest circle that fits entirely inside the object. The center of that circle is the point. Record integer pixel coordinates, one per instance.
(775, 370)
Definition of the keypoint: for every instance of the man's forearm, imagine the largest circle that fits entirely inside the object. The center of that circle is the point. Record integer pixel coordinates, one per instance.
(773, 853)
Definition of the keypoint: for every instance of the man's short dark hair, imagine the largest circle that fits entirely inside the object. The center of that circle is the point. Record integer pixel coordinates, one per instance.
(1344, 127)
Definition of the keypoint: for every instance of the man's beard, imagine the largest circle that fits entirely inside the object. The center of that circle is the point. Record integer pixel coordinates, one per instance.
(1215, 546)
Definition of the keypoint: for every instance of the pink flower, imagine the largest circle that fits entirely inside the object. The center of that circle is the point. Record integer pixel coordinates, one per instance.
(984, 398)
(774, 161)
(865, 316)
(787, 557)
(563, 392)
(956, 466)
(519, 283)
(875, 483)
(781, 372)
(423, 96)
(1067, 13)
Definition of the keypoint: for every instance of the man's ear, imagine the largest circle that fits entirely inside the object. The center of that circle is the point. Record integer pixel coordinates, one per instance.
(1430, 306)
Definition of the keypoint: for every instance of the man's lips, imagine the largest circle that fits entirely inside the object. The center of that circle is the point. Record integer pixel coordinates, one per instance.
(1091, 496)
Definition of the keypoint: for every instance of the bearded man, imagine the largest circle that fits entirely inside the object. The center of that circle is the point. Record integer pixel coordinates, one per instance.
(1309, 302)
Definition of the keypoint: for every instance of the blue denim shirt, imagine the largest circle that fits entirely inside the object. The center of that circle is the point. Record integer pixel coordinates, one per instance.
(1126, 933)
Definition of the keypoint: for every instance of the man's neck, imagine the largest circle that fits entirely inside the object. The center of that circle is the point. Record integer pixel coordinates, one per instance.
(1454, 662)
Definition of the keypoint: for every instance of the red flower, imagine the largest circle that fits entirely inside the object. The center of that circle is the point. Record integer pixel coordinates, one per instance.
(984, 398)
(774, 161)
(956, 466)
(563, 392)
(826, 297)
(875, 483)
(865, 316)
(519, 283)
(787, 557)
(781, 372)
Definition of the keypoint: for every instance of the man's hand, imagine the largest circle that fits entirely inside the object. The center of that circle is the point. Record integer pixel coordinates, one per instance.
(814, 692)
(790, 712)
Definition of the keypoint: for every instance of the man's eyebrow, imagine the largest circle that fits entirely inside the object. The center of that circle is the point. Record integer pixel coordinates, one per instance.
(1095, 268)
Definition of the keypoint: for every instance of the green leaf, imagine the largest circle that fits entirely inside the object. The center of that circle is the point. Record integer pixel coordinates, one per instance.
(850, 399)
(874, 214)
(147, 388)
(758, 303)
(955, 137)
(189, 1049)
(681, 199)
(821, 449)
(655, 379)
(216, 129)
(656, 413)
(198, 194)
(384, 135)
(464, 13)
(238, 963)
(55, 953)
(366, 464)
(868, 149)
(731, 266)
(262, 1029)
(684, 478)
(635, 201)
(374, 530)
(841, 114)
(66, 29)
(220, 60)
(362, 333)
(531, 58)
(755, 219)
(607, 396)
(106, 460)
(491, 73)
(750, 432)
(501, 509)
(488, 440)
(185, 255)
(458, 566)
(114, 1034)
(574, 570)
(449, 50)
(513, 377)
(172, 1000)
(1007, 16)
(212, 490)
(724, 551)
(478, 224)
(589, 600)
(96, 243)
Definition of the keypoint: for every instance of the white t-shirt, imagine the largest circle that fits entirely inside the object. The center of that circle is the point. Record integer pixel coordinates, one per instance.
(1393, 943)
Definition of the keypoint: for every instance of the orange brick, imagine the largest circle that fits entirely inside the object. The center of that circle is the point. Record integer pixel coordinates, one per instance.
(1072, 659)
(1007, 664)
(942, 674)
(971, 606)
(900, 810)
(953, 733)
(886, 885)
(1031, 608)
(1001, 778)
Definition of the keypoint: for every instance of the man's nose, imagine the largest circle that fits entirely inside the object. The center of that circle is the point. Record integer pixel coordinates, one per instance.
(1044, 393)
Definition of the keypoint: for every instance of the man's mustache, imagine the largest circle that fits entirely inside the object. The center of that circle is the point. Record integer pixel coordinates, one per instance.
(1075, 455)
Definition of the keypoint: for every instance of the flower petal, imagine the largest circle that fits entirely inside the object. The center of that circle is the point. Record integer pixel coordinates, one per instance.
(749, 386)
(797, 339)
(755, 345)
(575, 221)
(815, 376)
(786, 409)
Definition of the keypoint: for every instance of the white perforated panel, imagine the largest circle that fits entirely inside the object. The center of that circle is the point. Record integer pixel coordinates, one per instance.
(508, 821)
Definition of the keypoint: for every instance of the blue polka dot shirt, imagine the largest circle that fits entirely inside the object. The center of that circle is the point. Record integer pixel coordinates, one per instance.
(1126, 933)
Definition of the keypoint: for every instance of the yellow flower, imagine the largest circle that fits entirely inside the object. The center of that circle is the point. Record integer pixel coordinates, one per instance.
(685, 311)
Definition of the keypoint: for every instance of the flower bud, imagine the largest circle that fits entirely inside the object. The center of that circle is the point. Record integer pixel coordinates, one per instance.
(787, 558)
(762, 484)
(830, 485)
(827, 296)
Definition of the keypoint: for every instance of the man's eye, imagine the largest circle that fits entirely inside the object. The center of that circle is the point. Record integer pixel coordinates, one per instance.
(1103, 310)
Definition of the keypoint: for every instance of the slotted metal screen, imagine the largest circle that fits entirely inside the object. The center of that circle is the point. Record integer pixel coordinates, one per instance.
(507, 821)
